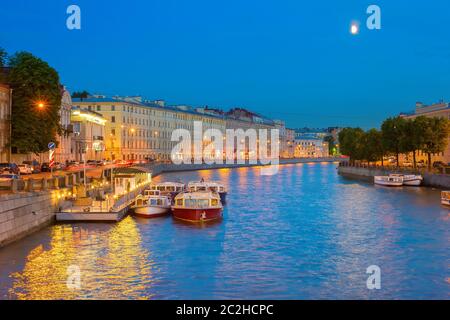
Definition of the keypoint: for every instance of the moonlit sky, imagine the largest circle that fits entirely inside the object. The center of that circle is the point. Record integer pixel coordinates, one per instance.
(292, 60)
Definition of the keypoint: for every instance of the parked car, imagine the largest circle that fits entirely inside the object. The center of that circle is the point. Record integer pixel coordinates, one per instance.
(25, 169)
(91, 162)
(45, 167)
(35, 166)
(9, 168)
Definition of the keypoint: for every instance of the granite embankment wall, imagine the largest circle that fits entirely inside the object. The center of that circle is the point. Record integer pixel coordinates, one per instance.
(25, 212)
(158, 169)
(434, 180)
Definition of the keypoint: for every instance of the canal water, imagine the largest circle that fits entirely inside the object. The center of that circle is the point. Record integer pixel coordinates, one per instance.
(304, 233)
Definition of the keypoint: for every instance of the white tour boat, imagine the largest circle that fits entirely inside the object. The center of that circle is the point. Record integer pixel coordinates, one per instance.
(168, 188)
(388, 181)
(409, 179)
(152, 204)
(445, 198)
(196, 186)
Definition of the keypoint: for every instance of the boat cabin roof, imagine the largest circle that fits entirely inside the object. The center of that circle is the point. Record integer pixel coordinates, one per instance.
(198, 195)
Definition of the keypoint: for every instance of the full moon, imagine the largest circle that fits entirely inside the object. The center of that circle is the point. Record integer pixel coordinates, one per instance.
(354, 29)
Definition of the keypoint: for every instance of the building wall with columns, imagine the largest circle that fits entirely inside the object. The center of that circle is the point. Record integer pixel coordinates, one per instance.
(311, 148)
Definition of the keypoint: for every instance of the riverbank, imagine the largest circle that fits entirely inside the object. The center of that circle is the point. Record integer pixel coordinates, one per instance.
(434, 180)
(158, 169)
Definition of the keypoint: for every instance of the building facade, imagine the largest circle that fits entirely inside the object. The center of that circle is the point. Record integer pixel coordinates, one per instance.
(311, 148)
(88, 135)
(5, 122)
(139, 130)
(63, 152)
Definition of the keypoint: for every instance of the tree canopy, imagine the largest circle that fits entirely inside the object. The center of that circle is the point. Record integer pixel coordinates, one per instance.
(36, 103)
(81, 94)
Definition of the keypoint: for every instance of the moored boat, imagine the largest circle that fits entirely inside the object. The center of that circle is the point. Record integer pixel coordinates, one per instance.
(168, 188)
(214, 186)
(445, 198)
(199, 206)
(152, 204)
(409, 179)
(388, 181)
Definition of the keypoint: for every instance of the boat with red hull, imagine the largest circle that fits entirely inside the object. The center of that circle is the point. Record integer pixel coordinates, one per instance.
(202, 206)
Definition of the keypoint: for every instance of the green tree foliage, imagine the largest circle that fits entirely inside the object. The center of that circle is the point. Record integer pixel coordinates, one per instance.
(392, 135)
(372, 146)
(435, 137)
(34, 82)
(81, 94)
(350, 143)
(331, 145)
(3, 57)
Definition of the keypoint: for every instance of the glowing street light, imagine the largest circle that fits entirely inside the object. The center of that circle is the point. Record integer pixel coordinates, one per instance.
(354, 29)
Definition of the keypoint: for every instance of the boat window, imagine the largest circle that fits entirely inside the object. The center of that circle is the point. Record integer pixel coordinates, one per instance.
(179, 202)
(201, 188)
(202, 203)
(153, 202)
(214, 202)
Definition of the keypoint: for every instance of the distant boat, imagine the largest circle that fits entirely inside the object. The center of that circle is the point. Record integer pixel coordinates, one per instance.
(214, 186)
(152, 204)
(388, 181)
(445, 198)
(199, 206)
(409, 179)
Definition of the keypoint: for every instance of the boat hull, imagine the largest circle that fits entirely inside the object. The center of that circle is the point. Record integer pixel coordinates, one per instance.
(445, 202)
(197, 215)
(389, 183)
(151, 212)
(413, 182)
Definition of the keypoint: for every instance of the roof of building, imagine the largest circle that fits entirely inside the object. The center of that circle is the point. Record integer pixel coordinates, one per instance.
(232, 114)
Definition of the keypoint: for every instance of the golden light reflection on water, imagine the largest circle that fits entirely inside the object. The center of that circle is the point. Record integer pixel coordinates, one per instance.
(112, 261)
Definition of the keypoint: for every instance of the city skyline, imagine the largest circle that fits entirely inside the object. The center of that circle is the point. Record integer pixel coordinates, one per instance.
(290, 61)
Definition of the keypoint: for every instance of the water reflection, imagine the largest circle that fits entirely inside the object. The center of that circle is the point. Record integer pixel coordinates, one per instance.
(113, 264)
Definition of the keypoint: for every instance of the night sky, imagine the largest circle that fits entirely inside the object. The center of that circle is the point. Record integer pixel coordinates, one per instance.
(292, 60)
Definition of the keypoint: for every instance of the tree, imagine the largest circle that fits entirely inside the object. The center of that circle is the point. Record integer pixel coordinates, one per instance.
(331, 144)
(372, 146)
(3, 57)
(392, 131)
(81, 94)
(435, 136)
(350, 140)
(36, 103)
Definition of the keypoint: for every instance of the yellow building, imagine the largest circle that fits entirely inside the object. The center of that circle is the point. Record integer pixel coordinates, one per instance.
(88, 135)
(440, 110)
(139, 130)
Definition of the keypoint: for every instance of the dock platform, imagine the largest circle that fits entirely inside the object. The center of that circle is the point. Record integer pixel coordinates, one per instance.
(90, 216)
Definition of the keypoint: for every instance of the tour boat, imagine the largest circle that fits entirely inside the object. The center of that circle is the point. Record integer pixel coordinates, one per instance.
(388, 181)
(168, 188)
(152, 204)
(409, 179)
(213, 186)
(199, 206)
(445, 198)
